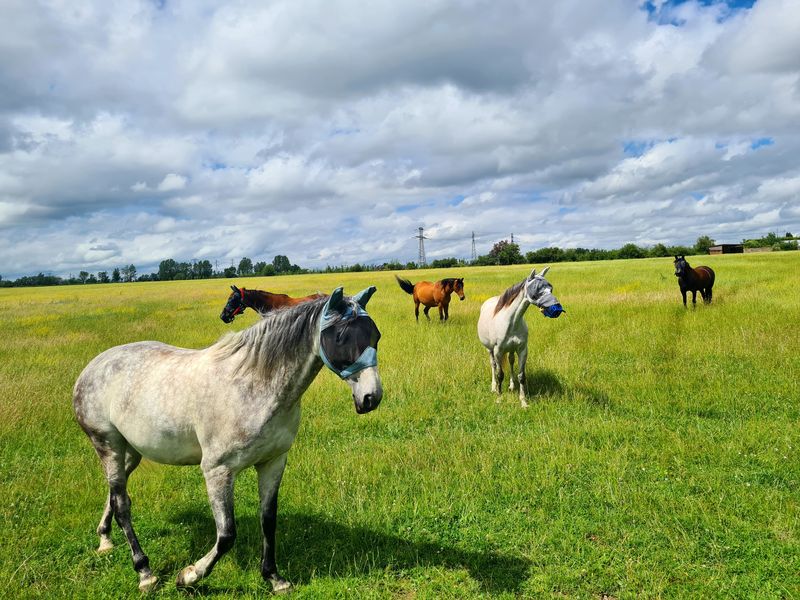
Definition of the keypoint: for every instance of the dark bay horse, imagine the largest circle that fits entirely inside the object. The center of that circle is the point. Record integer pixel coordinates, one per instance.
(260, 301)
(433, 294)
(233, 405)
(693, 280)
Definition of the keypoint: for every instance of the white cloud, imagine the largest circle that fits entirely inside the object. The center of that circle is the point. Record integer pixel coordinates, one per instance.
(218, 131)
(172, 182)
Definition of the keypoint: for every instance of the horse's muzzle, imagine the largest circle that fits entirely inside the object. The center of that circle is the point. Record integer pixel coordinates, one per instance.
(368, 403)
(226, 318)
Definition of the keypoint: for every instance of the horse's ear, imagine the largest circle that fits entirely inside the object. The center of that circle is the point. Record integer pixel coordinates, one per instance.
(235, 289)
(533, 274)
(364, 295)
(544, 271)
(335, 299)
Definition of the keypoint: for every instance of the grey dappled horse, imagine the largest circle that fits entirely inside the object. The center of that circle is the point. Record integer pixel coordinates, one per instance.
(227, 407)
(503, 331)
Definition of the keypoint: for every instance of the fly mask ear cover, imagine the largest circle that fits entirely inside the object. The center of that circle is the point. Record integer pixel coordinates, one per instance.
(332, 309)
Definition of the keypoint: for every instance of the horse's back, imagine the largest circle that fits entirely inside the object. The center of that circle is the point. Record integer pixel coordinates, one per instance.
(143, 391)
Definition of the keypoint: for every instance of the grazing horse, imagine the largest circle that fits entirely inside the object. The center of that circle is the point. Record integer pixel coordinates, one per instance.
(694, 279)
(230, 406)
(259, 301)
(433, 294)
(502, 328)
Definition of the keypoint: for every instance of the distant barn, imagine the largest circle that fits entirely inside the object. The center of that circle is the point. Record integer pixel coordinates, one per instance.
(726, 249)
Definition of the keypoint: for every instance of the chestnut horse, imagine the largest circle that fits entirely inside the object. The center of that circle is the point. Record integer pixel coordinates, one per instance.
(259, 301)
(433, 294)
(694, 279)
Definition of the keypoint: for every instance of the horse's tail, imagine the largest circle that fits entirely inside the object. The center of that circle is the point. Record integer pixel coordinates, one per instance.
(405, 285)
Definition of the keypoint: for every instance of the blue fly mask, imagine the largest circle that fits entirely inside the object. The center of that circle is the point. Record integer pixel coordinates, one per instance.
(539, 292)
(348, 337)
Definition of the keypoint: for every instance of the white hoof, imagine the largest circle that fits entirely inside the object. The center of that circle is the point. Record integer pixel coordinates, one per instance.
(188, 576)
(280, 586)
(106, 545)
(523, 403)
(148, 584)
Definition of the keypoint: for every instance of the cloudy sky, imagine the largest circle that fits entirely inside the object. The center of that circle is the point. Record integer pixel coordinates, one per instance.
(329, 130)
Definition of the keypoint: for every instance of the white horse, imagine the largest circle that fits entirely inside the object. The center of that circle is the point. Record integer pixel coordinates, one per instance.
(502, 328)
(233, 405)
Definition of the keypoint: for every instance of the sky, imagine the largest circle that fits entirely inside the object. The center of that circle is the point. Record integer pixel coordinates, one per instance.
(330, 130)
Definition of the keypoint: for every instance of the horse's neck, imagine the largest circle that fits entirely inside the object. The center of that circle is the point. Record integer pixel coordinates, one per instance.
(257, 300)
(518, 307)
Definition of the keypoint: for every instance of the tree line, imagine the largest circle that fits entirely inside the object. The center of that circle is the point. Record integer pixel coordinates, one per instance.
(503, 252)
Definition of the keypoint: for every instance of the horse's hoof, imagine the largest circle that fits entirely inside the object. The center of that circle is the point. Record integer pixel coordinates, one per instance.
(187, 577)
(106, 545)
(523, 404)
(148, 584)
(280, 585)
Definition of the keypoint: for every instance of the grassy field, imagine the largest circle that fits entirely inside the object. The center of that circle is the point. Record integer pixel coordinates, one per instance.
(659, 456)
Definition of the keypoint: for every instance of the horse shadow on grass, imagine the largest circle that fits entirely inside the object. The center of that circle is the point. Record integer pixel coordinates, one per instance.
(544, 383)
(310, 546)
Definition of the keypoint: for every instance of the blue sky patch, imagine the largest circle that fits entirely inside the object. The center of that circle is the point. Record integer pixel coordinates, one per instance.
(664, 15)
(761, 142)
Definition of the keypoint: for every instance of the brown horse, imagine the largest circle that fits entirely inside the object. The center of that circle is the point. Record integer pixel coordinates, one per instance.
(260, 301)
(433, 294)
(694, 279)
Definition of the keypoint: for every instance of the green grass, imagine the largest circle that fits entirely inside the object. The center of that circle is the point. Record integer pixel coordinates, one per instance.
(658, 458)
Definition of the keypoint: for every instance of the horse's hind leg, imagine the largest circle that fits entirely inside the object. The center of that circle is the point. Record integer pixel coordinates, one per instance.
(427, 308)
(416, 310)
(219, 483)
(132, 459)
(114, 453)
(497, 358)
(269, 480)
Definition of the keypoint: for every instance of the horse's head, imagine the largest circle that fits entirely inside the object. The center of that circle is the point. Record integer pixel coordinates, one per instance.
(680, 266)
(234, 306)
(348, 345)
(458, 288)
(539, 292)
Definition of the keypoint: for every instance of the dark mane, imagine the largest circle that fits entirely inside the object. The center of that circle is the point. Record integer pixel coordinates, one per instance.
(508, 296)
(450, 280)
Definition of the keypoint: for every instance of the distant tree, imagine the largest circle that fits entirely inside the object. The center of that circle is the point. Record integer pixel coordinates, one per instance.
(102, 277)
(91, 279)
(506, 253)
(265, 270)
(167, 269)
(245, 267)
(230, 271)
(129, 273)
(788, 235)
(659, 250)
(258, 267)
(83, 276)
(115, 277)
(545, 255)
(631, 251)
(281, 264)
(410, 266)
(702, 244)
(444, 263)
(203, 269)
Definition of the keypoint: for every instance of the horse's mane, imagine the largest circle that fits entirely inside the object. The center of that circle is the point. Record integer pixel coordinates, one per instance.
(508, 296)
(279, 335)
(449, 280)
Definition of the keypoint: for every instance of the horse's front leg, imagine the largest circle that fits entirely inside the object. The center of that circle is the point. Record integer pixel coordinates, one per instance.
(219, 483)
(683, 294)
(269, 480)
(694, 298)
(523, 359)
(427, 308)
